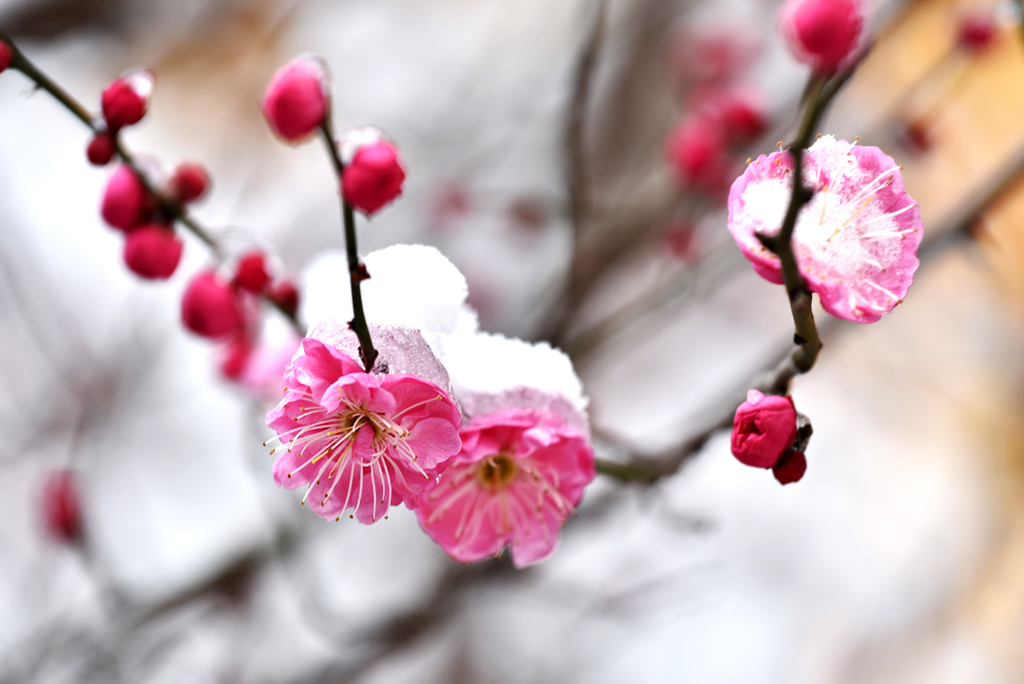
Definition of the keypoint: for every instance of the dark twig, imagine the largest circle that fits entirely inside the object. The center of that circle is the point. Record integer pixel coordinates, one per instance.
(167, 206)
(356, 269)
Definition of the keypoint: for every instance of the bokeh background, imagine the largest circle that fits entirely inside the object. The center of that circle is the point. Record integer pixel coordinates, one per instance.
(898, 558)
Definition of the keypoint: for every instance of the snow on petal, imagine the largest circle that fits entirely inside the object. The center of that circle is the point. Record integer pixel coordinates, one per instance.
(856, 240)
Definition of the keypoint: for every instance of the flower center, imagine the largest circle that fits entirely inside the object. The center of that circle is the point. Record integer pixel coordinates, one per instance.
(497, 471)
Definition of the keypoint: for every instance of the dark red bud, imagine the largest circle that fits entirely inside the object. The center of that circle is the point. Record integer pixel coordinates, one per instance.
(101, 149)
(285, 295)
(153, 252)
(210, 307)
(124, 101)
(251, 273)
(189, 183)
(6, 55)
(62, 513)
(790, 467)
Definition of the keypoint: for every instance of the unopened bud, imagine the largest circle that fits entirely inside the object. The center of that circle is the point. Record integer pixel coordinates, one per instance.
(6, 55)
(374, 176)
(189, 183)
(209, 307)
(822, 33)
(235, 357)
(62, 513)
(696, 152)
(763, 428)
(790, 467)
(285, 295)
(125, 200)
(251, 273)
(125, 100)
(153, 252)
(295, 102)
(977, 31)
(101, 149)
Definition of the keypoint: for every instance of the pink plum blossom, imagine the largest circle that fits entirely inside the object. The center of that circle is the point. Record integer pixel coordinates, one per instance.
(762, 429)
(125, 100)
(295, 101)
(373, 175)
(519, 475)
(357, 440)
(822, 33)
(855, 242)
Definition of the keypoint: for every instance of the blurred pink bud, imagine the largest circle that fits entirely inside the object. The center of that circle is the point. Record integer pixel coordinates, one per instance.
(6, 55)
(762, 429)
(152, 252)
(716, 55)
(124, 101)
(285, 295)
(822, 33)
(251, 273)
(373, 178)
(210, 307)
(519, 476)
(744, 115)
(450, 204)
(125, 200)
(295, 102)
(101, 149)
(235, 357)
(791, 467)
(680, 242)
(696, 152)
(977, 31)
(189, 182)
(62, 513)
(528, 213)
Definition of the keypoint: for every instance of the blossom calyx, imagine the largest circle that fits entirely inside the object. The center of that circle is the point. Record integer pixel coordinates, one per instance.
(295, 101)
(125, 100)
(153, 252)
(210, 307)
(762, 429)
(373, 174)
(126, 202)
(822, 33)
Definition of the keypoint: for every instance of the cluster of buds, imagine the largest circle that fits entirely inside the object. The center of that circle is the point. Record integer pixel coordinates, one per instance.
(768, 432)
(124, 103)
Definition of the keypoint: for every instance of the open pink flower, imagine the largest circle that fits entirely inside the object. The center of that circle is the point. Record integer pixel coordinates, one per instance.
(519, 475)
(357, 440)
(855, 242)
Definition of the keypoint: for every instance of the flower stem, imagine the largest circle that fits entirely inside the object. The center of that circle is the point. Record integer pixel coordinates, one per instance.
(356, 268)
(172, 209)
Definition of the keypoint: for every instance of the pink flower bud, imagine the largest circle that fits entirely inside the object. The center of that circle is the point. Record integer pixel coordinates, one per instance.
(210, 307)
(762, 429)
(373, 178)
(744, 116)
(822, 33)
(125, 200)
(152, 252)
(976, 32)
(62, 513)
(124, 101)
(235, 357)
(680, 241)
(6, 55)
(285, 295)
(295, 102)
(189, 183)
(101, 149)
(251, 273)
(791, 467)
(696, 152)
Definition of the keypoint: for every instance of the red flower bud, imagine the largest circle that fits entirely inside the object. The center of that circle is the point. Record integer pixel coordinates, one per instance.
(125, 200)
(62, 513)
(210, 307)
(189, 183)
(822, 33)
(680, 242)
(763, 428)
(6, 55)
(791, 467)
(285, 295)
(696, 151)
(373, 178)
(100, 150)
(251, 273)
(295, 102)
(976, 32)
(124, 101)
(235, 357)
(744, 116)
(153, 252)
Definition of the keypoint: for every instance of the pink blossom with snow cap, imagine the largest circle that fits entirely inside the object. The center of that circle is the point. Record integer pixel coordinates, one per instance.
(519, 476)
(358, 440)
(856, 240)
